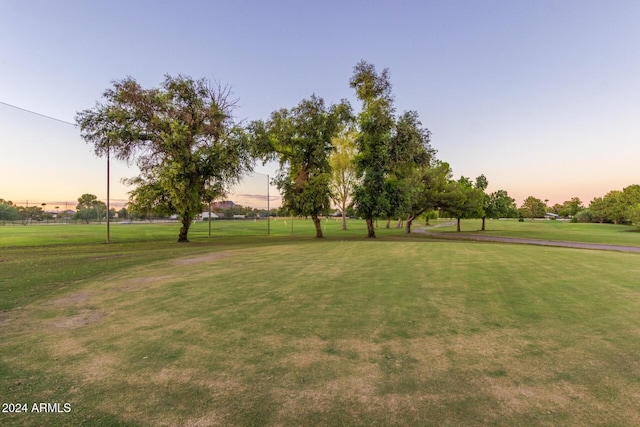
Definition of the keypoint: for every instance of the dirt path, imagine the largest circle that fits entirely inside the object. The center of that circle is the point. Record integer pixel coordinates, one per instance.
(563, 244)
(429, 227)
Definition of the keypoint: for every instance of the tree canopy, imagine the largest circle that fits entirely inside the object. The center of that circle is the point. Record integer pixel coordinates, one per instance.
(500, 205)
(618, 207)
(8, 211)
(301, 139)
(533, 207)
(89, 207)
(462, 199)
(343, 178)
(375, 124)
(190, 150)
(181, 135)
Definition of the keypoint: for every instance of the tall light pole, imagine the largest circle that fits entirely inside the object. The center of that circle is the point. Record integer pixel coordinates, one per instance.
(108, 172)
(209, 218)
(268, 210)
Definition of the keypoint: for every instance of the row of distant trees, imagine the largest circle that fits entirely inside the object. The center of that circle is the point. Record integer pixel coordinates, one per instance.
(615, 207)
(89, 208)
(618, 207)
(11, 212)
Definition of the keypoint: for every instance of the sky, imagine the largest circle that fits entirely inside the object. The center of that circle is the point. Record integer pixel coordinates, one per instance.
(542, 97)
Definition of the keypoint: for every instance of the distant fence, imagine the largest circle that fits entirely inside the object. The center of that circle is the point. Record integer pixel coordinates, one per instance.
(253, 191)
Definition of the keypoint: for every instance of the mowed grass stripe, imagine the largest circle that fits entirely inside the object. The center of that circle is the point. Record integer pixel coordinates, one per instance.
(339, 333)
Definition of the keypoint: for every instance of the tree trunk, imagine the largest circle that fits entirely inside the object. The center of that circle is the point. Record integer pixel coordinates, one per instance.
(407, 227)
(458, 225)
(483, 218)
(388, 223)
(371, 233)
(399, 224)
(184, 230)
(317, 223)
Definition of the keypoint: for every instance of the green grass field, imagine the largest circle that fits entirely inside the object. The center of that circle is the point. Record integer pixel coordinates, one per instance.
(248, 329)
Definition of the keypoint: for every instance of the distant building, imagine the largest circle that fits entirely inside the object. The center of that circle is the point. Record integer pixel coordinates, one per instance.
(223, 205)
(205, 215)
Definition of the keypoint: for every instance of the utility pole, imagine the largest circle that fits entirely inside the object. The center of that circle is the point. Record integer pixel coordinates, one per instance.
(108, 222)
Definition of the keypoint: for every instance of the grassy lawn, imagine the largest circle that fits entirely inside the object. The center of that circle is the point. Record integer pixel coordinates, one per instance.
(245, 329)
(551, 230)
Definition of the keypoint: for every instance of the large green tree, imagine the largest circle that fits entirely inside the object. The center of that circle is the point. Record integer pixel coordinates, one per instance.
(8, 211)
(89, 207)
(609, 208)
(481, 184)
(631, 201)
(428, 183)
(500, 205)
(301, 139)
(182, 136)
(533, 207)
(411, 155)
(618, 207)
(461, 199)
(373, 161)
(571, 207)
(30, 213)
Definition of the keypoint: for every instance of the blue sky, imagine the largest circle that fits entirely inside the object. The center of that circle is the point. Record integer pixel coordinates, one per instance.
(542, 97)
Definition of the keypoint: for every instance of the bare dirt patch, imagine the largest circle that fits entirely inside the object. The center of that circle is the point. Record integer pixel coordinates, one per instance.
(86, 317)
(77, 298)
(4, 319)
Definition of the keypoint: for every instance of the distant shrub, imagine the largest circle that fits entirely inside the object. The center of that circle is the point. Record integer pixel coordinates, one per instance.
(583, 216)
(8, 212)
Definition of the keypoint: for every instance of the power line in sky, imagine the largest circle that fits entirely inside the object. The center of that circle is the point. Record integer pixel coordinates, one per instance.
(37, 114)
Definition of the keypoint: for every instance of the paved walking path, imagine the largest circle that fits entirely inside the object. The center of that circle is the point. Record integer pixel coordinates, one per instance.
(484, 238)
